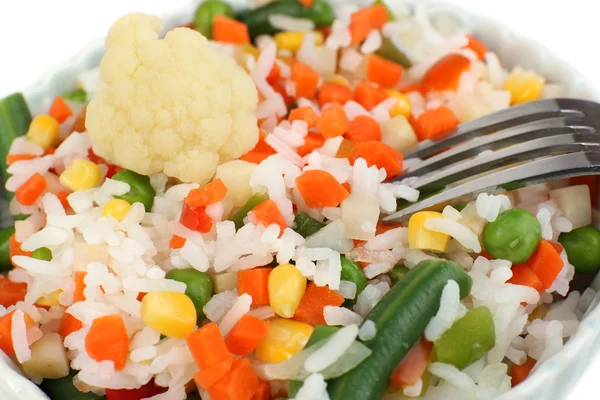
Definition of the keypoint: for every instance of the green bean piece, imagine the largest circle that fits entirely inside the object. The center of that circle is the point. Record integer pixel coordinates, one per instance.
(199, 287)
(78, 95)
(513, 236)
(352, 272)
(468, 339)
(140, 189)
(5, 234)
(398, 273)
(306, 225)
(43, 253)
(206, 13)
(583, 248)
(63, 389)
(238, 218)
(388, 50)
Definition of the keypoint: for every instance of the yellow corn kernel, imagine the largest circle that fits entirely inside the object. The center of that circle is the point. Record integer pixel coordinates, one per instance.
(49, 300)
(423, 239)
(293, 40)
(284, 338)
(43, 131)
(251, 49)
(171, 313)
(402, 107)
(286, 288)
(80, 175)
(524, 85)
(339, 79)
(116, 208)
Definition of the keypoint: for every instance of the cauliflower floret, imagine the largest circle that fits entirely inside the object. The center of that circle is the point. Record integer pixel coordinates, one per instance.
(171, 105)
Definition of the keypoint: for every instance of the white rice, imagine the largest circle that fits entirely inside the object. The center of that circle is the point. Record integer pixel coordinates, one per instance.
(372, 43)
(18, 333)
(461, 233)
(450, 310)
(367, 330)
(313, 388)
(332, 350)
(341, 316)
(347, 289)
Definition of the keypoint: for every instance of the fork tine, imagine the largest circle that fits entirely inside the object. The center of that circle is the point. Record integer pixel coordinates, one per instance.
(512, 116)
(506, 137)
(544, 146)
(538, 171)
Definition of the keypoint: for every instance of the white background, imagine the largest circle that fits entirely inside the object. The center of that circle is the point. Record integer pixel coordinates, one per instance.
(34, 35)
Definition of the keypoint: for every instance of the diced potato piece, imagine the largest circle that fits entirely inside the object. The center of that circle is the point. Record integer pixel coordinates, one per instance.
(399, 134)
(470, 107)
(470, 218)
(360, 213)
(575, 203)
(236, 176)
(322, 59)
(48, 358)
(226, 281)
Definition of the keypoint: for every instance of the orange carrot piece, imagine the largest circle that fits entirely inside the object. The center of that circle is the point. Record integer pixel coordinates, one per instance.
(14, 249)
(177, 242)
(330, 92)
(414, 87)
(68, 325)
(306, 80)
(477, 46)
(384, 72)
(79, 123)
(310, 309)
(319, 189)
(381, 155)
(11, 292)
(246, 335)
(241, 383)
(557, 246)
(263, 392)
(305, 113)
(6, 344)
(255, 157)
(445, 74)
(333, 121)
(205, 195)
(229, 30)
(519, 373)
(413, 365)
(546, 263)
(274, 74)
(524, 276)
(363, 128)
(434, 122)
(207, 377)
(13, 158)
(312, 141)
(261, 151)
(255, 282)
(267, 213)
(307, 3)
(207, 346)
(592, 182)
(347, 149)
(62, 196)
(363, 21)
(382, 228)
(60, 110)
(29, 192)
(369, 95)
(79, 286)
(107, 340)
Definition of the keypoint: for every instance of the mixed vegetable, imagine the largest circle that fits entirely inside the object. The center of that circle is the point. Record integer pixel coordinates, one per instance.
(215, 211)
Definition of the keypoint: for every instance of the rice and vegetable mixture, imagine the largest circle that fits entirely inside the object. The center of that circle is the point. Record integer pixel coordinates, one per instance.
(201, 218)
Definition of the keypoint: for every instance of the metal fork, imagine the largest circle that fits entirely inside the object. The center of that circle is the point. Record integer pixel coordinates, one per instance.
(529, 144)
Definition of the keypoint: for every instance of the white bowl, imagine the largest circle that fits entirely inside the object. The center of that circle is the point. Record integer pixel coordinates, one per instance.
(552, 379)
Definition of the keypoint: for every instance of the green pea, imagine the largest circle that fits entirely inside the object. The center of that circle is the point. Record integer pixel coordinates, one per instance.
(398, 273)
(200, 286)
(583, 248)
(63, 389)
(140, 189)
(43, 253)
(513, 236)
(5, 234)
(352, 272)
(78, 95)
(206, 13)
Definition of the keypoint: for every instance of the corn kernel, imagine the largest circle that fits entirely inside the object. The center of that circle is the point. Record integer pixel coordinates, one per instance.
(43, 131)
(402, 106)
(286, 288)
(49, 300)
(293, 40)
(80, 175)
(284, 338)
(116, 208)
(171, 313)
(539, 312)
(524, 85)
(422, 238)
(251, 49)
(339, 80)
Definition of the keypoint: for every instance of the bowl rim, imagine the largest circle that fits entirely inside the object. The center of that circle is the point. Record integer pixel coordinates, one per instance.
(49, 84)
